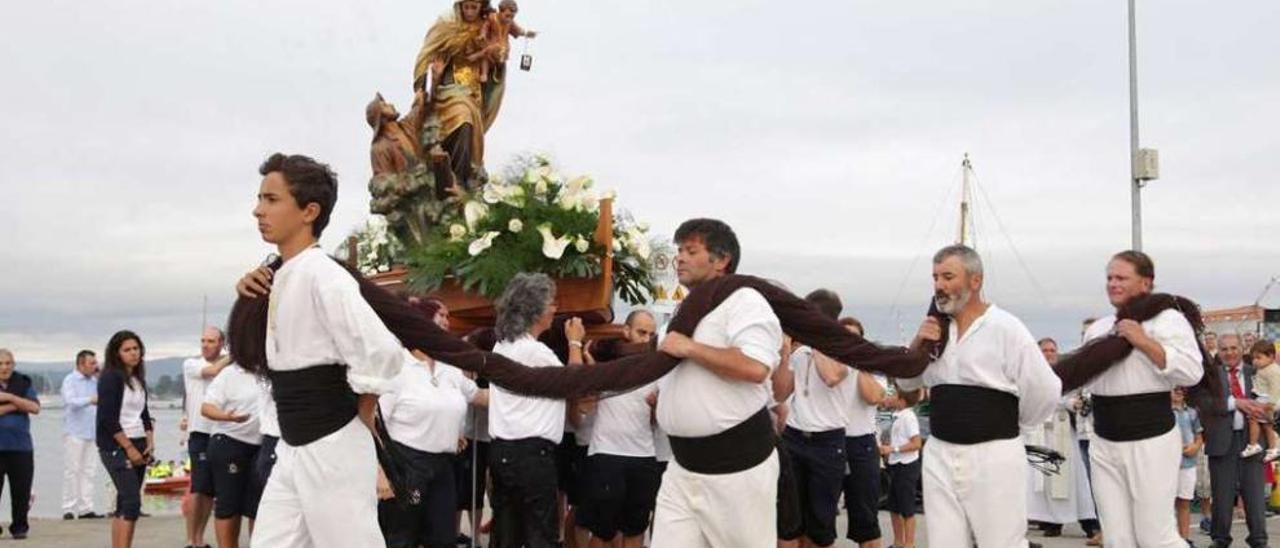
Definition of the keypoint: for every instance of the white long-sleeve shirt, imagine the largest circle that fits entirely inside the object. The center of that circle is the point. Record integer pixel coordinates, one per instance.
(999, 353)
(317, 317)
(1137, 374)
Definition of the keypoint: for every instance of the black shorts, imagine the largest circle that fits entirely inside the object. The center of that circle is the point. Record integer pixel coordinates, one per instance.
(430, 519)
(818, 461)
(264, 463)
(790, 522)
(231, 462)
(903, 479)
(524, 493)
(462, 467)
(571, 458)
(621, 492)
(201, 474)
(862, 488)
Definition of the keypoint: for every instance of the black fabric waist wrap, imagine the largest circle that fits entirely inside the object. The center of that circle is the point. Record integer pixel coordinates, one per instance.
(739, 448)
(312, 402)
(966, 415)
(1132, 417)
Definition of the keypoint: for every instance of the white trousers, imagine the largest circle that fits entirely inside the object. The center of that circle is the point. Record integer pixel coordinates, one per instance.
(322, 494)
(975, 492)
(736, 510)
(1135, 483)
(79, 465)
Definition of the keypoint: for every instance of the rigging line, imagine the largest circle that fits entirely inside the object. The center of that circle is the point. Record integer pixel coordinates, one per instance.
(920, 250)
(1009, 238)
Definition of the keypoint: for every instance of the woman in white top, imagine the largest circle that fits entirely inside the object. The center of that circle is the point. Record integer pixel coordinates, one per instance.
(232, 402)
(525, 430)
(424, 415)
(126, 441)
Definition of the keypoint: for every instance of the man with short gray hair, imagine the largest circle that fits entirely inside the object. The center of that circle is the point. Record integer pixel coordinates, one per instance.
(988, 382)
(1232, 475)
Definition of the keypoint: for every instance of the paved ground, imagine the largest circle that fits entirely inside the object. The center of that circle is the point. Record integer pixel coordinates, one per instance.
(167, 532)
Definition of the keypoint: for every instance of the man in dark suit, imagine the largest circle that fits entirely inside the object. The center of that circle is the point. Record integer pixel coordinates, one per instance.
(1229, 475)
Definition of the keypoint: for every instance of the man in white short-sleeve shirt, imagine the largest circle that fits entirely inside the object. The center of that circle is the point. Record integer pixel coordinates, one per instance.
(817, 395)
(197, 373)
(719, 386)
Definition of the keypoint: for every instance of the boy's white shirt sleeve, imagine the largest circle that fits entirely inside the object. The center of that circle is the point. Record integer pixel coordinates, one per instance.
(373, 355)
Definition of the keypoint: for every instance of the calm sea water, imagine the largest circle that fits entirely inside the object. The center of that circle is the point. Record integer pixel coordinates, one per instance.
(46, 432)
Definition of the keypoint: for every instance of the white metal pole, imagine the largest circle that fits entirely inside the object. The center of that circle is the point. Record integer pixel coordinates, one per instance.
(1134, 182)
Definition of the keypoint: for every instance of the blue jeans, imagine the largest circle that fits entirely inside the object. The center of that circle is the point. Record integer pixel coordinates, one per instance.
(127, 478)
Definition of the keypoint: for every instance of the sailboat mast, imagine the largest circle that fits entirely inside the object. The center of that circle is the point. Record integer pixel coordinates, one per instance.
(965, 192)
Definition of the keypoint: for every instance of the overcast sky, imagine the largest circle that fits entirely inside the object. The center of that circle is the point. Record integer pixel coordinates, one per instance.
(829, 134)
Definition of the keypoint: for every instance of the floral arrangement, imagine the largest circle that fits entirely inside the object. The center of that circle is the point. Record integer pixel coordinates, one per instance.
(532, 219)
(376, 249)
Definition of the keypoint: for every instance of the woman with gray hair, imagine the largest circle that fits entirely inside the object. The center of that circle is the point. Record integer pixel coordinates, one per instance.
(525, 430)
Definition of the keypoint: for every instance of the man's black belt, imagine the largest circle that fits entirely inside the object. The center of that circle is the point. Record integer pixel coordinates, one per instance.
(312, 402)
(739, 448)
(826, 435)
(1132, 417)
(964, 414)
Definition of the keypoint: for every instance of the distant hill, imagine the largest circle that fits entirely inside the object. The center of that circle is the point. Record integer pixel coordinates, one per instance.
(53, 373)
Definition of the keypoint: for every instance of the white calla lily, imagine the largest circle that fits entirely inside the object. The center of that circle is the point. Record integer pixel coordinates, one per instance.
(638, 242)
(474, 212)
(576, 196)
(515, 225)
(494, 193)
(482, 243)
(456, 232)
(516, 197)
(581, 244)
(553, 247)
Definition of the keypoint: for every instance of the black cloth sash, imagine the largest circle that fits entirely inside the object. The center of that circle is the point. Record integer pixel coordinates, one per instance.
(1133, 417)
(964, 414)
(739, 448)
(18, 385)
(312, 402)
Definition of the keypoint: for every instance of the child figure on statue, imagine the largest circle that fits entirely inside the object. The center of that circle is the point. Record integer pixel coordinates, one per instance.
(1266, 385)
(499, 28)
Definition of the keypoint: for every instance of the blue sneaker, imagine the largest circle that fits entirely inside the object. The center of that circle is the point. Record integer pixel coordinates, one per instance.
(1205, 524)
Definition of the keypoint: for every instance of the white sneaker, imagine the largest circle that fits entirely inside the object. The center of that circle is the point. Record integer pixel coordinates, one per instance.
(1250, 450)
(1272, 454)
